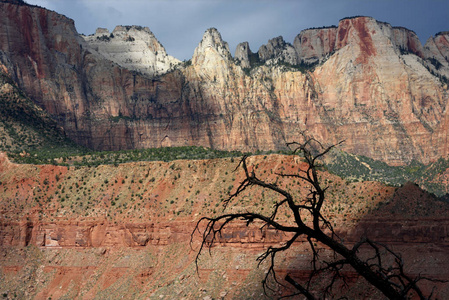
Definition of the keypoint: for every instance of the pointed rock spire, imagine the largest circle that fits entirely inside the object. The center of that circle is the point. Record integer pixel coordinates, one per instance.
(277, 48)
(243, 54)
(211, 44)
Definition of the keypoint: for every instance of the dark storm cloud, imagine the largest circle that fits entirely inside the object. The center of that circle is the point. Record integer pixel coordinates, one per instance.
(180, 24)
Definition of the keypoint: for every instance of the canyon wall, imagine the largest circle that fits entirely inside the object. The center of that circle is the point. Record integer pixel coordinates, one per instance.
(132, 47)
(372, 85)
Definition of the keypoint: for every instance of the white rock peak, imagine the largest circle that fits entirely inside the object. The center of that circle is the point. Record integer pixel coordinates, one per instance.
(211, 44)
(132, 47)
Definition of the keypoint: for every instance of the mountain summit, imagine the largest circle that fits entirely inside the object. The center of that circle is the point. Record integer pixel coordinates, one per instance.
(132, 47)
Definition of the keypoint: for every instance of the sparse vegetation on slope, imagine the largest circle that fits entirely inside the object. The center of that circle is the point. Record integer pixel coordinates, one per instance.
(381, 266)
(92, 158)
(110, 219)
(362, 168)
(29, 135)
(25, 127)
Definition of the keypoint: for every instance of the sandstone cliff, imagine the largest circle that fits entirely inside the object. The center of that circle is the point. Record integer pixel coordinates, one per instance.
(437, 51)
(132, 47)
(243, 55)
(24, 126)
(375, 87)
(278, 48)
(313, 45)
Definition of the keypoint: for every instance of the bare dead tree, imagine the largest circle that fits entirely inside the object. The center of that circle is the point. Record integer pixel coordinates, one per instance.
(377, 264)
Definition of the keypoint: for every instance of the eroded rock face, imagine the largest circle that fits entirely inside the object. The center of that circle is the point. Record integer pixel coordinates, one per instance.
(211, 42)
(436, 50)
(211, 59)
(278, 48)
(243, 54)
(372, 88)
(132, 47)
(313, 45)
(384, 93)
(72, 232)
(407, 40)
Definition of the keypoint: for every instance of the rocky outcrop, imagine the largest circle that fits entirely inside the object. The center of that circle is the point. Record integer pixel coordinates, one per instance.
(210, 43)
(407, 41)
(243, 54)
(132, 47)
(313, 45)
(278, 48)
(387, 103)
(375, 73)
(437, 53)
(212, 57)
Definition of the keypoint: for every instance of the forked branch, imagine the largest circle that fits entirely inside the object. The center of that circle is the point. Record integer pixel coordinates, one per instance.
(390, 279)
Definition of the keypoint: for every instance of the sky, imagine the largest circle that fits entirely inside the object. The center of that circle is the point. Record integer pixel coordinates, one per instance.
(180, 24)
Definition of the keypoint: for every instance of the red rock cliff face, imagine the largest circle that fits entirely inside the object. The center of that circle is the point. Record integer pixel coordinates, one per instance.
(313, 44)
(384, 103)
(113, 231)
(389, 101)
